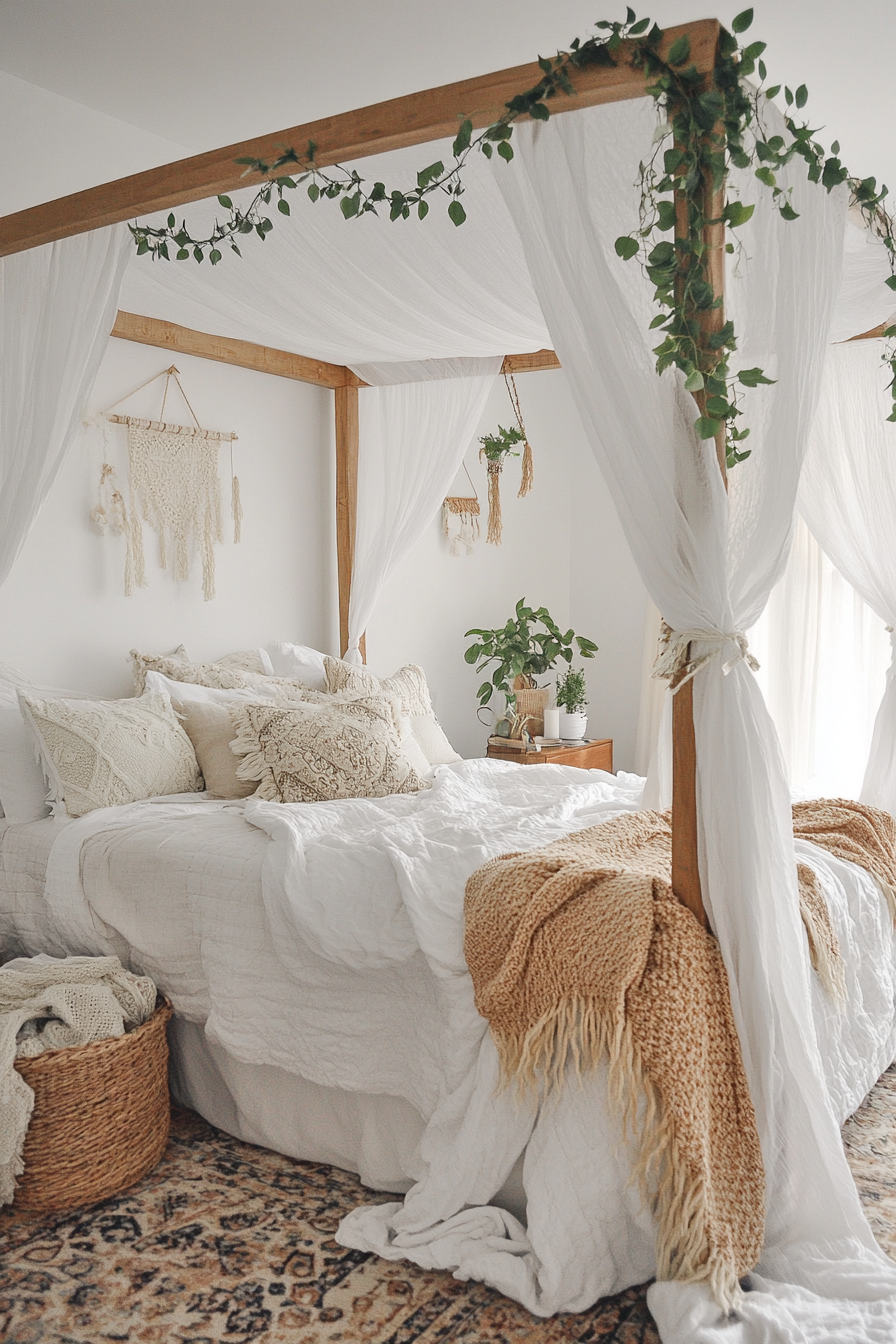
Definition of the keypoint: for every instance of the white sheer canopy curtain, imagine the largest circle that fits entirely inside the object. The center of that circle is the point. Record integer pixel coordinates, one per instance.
(57, 308)
(709, 561)
(848, 499)
(414, 428)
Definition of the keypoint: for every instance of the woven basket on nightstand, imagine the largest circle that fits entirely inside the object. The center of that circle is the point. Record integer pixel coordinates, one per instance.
(100, 1120)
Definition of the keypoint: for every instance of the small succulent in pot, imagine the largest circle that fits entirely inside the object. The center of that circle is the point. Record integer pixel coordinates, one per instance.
(571, 691)
(571, 700)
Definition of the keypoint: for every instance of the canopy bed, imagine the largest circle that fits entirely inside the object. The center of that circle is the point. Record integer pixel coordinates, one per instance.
(709, 560)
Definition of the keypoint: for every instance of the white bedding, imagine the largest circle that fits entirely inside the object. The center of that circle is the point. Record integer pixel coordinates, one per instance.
(327, 941)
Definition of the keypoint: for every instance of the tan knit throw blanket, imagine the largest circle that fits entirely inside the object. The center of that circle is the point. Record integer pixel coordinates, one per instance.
(580, 951)
(855, 832)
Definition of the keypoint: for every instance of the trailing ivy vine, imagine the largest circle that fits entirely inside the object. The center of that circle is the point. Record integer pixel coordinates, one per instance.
(708, 125)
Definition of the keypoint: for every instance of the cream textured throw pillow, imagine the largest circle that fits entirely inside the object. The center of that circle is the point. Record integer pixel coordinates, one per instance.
(102, 753)
(410, 686)
(217, 676)
(244, 660)
(317, 753)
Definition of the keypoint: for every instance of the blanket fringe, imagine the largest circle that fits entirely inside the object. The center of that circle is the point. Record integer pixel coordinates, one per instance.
(824, 947)
(577, 1035)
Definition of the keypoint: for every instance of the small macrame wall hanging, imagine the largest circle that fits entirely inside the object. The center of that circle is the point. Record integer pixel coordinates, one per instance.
(495, 449)
(460, 519)
(173, 485)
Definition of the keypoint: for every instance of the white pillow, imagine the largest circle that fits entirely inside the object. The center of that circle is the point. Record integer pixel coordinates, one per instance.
(298, 662)
(102, 753)
(187, 692)
(23, 788)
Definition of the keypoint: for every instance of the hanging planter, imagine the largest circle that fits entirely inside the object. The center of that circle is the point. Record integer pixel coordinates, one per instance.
(527, 476)
(495, 448)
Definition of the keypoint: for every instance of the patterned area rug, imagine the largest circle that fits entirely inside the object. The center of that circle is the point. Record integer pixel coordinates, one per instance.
(226, 1243)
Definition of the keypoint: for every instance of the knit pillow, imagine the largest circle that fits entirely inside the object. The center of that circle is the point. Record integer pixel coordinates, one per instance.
(317, 753)
(101, 753)
(410, 686)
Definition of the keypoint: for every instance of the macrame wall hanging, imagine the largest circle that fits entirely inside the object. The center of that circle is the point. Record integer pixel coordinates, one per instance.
(495, 448)
(174, 486)
(460, 519)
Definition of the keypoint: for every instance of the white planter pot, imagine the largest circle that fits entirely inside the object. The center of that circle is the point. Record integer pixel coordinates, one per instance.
(572, 726)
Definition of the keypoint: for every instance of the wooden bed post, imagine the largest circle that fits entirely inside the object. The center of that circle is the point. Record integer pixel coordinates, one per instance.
(346, 504)
(685, 867)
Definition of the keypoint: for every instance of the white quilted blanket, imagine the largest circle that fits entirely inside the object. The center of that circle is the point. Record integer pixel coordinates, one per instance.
(49, 1004)
(328, 940)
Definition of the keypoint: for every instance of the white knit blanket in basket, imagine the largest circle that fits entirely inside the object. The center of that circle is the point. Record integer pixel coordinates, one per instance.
(48, 1003)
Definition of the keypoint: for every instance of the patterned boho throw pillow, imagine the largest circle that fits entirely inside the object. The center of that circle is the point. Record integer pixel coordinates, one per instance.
(409, 684)
(102, 753)
(318, 753)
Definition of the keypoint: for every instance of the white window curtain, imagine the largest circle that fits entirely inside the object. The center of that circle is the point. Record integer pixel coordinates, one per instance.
(414, 428)
(709, 562)
(57, 308)
(848, 499)
(823, 657)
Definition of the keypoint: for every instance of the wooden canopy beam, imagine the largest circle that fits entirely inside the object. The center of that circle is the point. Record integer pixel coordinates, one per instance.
(395, 124)
(226, 350)
(685, 809)
(269, 359)
(346, 504)
(539, 359)
(870, 335)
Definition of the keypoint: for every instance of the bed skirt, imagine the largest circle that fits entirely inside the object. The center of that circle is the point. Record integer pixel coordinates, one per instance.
(375, 1136)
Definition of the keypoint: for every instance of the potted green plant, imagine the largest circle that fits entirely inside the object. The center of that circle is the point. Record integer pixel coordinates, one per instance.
(530, 644)
(571, 701)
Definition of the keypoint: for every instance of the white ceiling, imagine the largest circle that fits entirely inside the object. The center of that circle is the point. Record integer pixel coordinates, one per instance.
(203, 74)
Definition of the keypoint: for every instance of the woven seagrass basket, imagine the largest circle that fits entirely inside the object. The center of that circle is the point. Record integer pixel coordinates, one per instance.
(101, 1117)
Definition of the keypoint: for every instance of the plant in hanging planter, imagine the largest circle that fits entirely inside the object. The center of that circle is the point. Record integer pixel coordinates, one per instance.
(495, 448)
(530, 644)
(571, 701)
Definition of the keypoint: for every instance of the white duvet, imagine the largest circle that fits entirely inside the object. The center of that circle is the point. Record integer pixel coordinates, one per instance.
(328, 940)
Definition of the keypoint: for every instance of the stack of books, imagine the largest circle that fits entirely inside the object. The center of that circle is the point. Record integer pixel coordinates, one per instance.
(517, 743)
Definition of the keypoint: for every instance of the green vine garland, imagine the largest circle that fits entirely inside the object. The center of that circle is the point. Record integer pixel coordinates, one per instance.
(709, 125)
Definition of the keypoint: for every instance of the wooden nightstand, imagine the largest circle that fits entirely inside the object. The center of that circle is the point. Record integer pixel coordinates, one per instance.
(594, 755)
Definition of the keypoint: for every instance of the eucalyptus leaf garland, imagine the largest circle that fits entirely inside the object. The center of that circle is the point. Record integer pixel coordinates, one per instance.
(709, 124)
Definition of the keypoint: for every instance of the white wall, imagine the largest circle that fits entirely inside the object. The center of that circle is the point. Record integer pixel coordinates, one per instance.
(64, 620)
(52, 146)
(562, 549)
(63, 617)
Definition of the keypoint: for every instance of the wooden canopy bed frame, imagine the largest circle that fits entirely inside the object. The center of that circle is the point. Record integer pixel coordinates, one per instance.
(395, 124)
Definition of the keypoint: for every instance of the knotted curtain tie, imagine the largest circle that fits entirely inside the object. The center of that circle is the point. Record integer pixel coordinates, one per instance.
(674, 664)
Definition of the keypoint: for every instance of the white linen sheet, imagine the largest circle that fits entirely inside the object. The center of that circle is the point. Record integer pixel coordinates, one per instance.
(327, 941)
